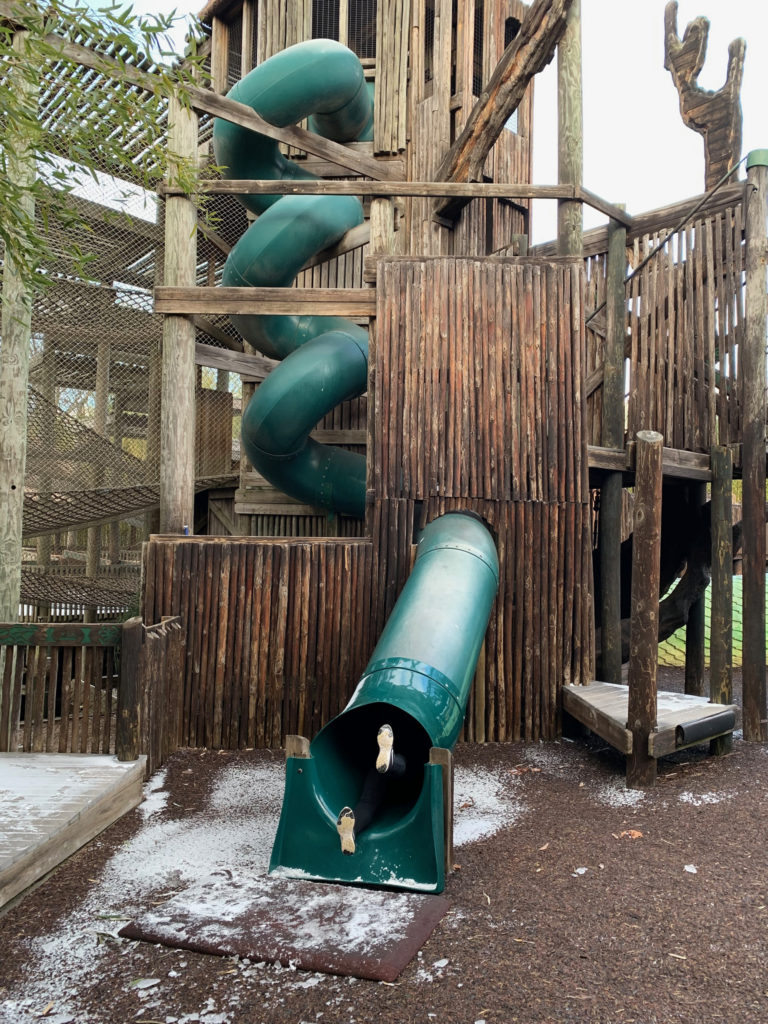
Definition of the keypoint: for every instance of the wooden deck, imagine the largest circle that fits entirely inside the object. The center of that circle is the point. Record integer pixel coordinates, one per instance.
(682, 719)
(53, 804)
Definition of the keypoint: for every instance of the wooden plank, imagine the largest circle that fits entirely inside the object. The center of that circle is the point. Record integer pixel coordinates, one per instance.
(184, 301)
(63, 825)
(578, 701)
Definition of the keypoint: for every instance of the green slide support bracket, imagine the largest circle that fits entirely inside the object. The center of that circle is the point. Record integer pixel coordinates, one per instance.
(323, 80)
(418, 681)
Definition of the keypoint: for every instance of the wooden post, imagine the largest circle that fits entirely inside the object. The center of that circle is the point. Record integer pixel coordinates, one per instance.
(177, 433)
(612, 437)
(721, 622)
(753, 451)
(570, 134)
(48, 390)
(441, 756)
(696, 627)
(100, 402)
(14, 366)
(644, 636)
(129, 692)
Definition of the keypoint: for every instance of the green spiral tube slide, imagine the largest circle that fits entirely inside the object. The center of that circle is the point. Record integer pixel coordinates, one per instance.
(324, 359)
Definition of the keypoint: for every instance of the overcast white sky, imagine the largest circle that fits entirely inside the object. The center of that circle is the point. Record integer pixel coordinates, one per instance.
(637, 151)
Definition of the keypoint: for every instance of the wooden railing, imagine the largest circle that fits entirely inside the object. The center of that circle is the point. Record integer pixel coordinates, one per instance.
(90, 689)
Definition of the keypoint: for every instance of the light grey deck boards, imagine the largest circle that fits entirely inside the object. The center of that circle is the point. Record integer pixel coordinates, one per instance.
(52, 804)
(602, 707)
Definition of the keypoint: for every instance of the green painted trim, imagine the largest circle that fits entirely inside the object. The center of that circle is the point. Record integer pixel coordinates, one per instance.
(757, 158)
(65, 634)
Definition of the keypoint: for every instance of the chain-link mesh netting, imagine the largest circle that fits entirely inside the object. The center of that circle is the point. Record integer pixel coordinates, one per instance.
(94, 399)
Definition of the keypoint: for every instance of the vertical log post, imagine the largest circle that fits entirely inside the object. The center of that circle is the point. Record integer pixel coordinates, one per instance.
(644, 636)
(438, 755)
(14, 365)
(570, 154)
(129, 692)
(696, 627)
(177, 434)
(753, 452)
(612, 437)
(100, 403)
(721, 624)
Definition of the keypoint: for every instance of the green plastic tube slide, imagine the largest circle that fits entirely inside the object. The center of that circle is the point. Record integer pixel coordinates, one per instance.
(417, 681)
(325, 359)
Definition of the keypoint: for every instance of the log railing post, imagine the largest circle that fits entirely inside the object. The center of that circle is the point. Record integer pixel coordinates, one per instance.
(644, 636)
(177, 451)
(721, 622)
(753, 369)
(612, 437)
(129, 692)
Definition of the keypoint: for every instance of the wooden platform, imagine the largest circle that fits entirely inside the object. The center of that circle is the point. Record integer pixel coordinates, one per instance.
(682, 719)
(53, 804)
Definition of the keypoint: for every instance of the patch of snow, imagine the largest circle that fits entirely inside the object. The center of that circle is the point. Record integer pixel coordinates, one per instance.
(700, 799)
(483, 804)
(155, 796)
(616, 794)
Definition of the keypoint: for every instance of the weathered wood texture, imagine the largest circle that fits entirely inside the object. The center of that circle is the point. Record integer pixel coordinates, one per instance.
(715, 115)
(721, 631)
(277, 632)
(684, 328)
(64, 685)
(390, 115)
(570, 131)
(526, 55)
(58, 688)
(177, 449)
(644, 642)
(477, 405)
(753, 361)
(478, 370)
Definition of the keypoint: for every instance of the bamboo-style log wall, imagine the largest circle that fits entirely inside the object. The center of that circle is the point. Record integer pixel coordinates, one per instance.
(684, 326)
(476, 387)
(277, 631)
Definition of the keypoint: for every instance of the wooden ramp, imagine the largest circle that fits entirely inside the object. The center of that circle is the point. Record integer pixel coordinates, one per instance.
(681, 719)
(52, 804)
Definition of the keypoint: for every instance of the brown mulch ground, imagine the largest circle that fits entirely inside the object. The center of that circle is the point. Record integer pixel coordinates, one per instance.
(636, 937)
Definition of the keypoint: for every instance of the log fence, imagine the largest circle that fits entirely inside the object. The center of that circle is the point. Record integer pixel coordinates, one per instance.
(102, 688)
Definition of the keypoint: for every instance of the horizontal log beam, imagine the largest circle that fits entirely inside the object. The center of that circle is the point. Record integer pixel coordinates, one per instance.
(415, 189)
(652, 221)
(350, 302)
(254, 367)
(675, 463)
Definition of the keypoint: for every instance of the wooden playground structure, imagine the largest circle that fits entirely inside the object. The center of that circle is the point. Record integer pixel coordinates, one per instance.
(511, 380)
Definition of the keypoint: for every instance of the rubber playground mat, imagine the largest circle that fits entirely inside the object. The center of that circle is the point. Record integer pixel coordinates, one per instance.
(314, 926)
